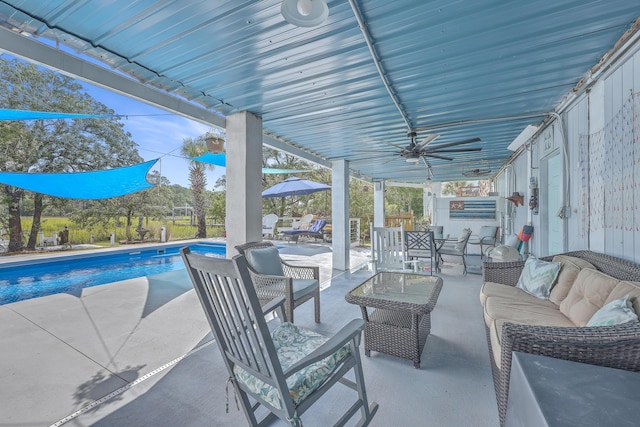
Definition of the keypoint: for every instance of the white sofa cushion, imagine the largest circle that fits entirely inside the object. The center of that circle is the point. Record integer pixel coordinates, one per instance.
(528, 310)
(569, 268)
(587, 295)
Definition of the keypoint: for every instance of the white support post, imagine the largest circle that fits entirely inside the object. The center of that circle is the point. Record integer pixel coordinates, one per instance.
(244, 180)
(378, 203)
(340, 214)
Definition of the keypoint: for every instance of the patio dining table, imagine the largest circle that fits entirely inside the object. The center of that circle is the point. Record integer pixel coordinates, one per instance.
(401, 305)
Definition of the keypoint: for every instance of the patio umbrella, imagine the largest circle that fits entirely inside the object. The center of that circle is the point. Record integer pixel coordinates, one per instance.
(294, 186)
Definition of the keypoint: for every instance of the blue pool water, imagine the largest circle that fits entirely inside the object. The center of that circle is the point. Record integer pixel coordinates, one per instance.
(52, 276)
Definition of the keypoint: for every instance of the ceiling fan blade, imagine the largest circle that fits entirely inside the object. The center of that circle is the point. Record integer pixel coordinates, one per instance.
(390, 160)
(427, 140)
(374, 151)
(436, 156)
(456, 150)
(451, 144)
(378, 157)
(394, 145)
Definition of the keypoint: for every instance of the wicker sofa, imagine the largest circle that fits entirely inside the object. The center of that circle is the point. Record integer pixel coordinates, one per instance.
(517, 321)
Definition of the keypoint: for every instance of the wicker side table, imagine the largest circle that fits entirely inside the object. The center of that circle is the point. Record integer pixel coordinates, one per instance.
(397, 310)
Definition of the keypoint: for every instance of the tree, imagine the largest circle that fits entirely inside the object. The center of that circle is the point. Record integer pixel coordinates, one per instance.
(194, 147)
(53, 145)
(451, 188)
(152, 202)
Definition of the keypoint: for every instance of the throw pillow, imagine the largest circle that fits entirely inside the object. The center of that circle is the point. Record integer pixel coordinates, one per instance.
(538, 276)
(265, 261)
(616, 312)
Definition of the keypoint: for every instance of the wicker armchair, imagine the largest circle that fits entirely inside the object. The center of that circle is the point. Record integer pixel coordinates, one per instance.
(610, 346)
(275, 278)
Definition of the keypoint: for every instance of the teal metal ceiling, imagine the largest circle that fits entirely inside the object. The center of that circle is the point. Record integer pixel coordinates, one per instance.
(462, 69)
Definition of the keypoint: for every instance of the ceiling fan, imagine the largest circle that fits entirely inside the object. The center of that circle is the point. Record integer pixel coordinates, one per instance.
(417, 150)
(421, 150)
(477, 172)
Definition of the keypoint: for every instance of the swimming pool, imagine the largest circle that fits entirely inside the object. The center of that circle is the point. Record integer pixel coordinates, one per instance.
(48, 276)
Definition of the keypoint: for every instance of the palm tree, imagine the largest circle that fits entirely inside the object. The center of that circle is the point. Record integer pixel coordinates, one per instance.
(452, 187)
(194, 147)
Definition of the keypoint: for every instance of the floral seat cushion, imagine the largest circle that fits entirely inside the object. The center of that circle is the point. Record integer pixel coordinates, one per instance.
(292, 344)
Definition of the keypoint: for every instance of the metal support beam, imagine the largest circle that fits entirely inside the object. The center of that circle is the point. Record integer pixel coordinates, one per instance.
(27, 48)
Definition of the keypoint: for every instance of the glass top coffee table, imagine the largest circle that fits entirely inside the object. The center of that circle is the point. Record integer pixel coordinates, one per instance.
(397, 310)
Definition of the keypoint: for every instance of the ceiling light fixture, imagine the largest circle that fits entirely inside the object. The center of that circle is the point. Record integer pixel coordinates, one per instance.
(305, 13)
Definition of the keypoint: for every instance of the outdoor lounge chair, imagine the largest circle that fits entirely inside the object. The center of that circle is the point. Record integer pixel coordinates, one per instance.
(285, 371)
(314, 231)
(273, 277)
(269, 225)
(302, 223)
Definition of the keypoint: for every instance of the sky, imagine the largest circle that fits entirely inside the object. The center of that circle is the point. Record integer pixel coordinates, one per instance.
(158, 133)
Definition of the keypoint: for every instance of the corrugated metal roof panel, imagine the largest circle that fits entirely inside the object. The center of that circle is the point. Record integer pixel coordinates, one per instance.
(452, 65)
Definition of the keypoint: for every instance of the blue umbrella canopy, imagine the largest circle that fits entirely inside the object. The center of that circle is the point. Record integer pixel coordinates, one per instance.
(294, 186)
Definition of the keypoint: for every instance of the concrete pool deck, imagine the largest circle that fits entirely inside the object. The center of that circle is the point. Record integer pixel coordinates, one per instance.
(62, 352)
(140, 353)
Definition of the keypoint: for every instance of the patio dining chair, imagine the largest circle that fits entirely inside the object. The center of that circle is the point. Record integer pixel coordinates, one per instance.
(273, 277)
(420, 245)
(456, 248)
(437, 229)
(285, 371)
(486, 239)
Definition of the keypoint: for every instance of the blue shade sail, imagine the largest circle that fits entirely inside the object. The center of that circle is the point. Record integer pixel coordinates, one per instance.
(41, 115)
(93, 185)
(220, 159)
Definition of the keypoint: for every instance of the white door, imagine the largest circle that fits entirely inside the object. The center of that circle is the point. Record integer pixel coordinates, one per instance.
(555, 224)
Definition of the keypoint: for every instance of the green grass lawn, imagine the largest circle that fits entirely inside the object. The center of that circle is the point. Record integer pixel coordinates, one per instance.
(179, 230)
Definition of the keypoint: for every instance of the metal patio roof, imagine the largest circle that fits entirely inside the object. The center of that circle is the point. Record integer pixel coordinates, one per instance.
(462, 69)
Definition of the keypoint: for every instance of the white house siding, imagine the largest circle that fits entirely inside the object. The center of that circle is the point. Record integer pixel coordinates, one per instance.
(603, 146)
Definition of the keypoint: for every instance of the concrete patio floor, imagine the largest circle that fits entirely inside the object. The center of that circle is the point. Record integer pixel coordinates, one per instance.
(139, 353)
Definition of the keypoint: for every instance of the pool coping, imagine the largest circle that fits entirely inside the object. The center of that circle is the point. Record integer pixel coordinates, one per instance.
(50, 256)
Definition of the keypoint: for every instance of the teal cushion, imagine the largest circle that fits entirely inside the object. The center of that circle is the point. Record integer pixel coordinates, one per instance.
(616, 312)
(265, 261)
(302, 287)
(292, 344)
(538, 277)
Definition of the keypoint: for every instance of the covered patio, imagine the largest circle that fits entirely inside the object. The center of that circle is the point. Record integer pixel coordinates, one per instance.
(359, 91)
(539, 97)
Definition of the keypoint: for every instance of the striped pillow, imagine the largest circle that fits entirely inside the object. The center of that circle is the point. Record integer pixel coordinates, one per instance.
(538, 276)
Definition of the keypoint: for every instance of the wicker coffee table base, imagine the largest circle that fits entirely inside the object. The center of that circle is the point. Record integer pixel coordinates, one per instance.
(396, 333)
